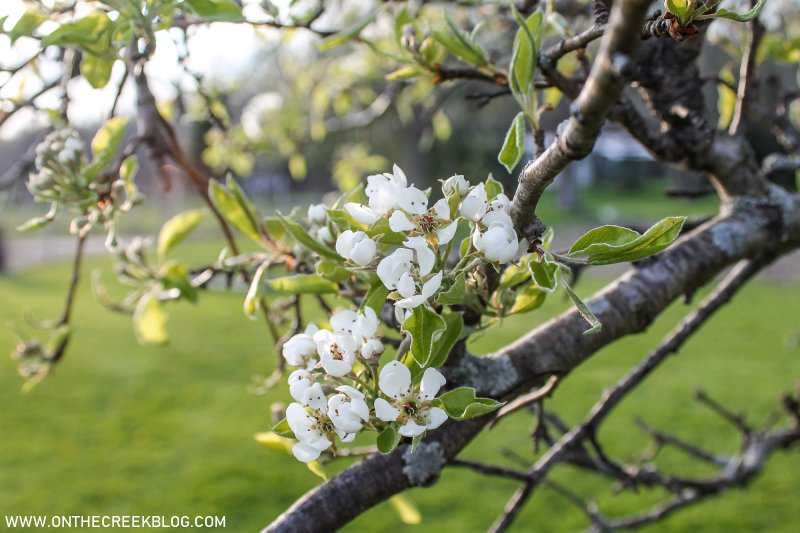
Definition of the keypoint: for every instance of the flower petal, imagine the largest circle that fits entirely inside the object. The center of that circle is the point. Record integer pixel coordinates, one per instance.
(406, 286)
(411, 429)
(399, 222)
(436, 417)
(442, 209)
(447, 233)
(361, 213)
(399, 177)
(395, 379)
(432, 381)
(431, 286)
(385, 411)
(305, 453)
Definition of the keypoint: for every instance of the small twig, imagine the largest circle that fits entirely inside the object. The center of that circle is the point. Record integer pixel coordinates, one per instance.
(525, 400)
(659, 437)
(736, 420)
(490, 470)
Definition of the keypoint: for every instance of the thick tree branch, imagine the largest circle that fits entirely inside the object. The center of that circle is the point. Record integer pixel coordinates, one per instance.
(575, 137)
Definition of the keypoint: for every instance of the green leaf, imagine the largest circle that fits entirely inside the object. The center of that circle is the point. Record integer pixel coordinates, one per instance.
(493, 187)
(455, 294)
(347, 34)
(27, 24)
(35, 223)
(82, 32)
(150, 321)
(96, 69)
(253, 298)
(461, 44)
(283, 429)
(275, 442)
(583, 309)
(234, 211)
(106, 144)
(174, 275)
(332, 270)
(404, 73)
(376, 297)
(741, 17)
(525, 51)
(425, 327)
(380, 228)
(303, 284)
(614, 244)
(682, 9)
(302, 237)
(726, 99)
(406, 511)
(462, 404)
(545, 273)
(529, 298)
(514, 143)
(388, 439)
(454, 325)
(216, 10)
(176, 229)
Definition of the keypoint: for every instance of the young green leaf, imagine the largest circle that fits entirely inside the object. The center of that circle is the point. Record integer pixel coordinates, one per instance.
(234, 211)
(529, 298)
(283, 429)
(388, 439)
(83, 32)
(106, 144)
(741, 17)
(253, 298)
(150, 321)
(425, 327)
(332, 270)
(462, 404)
(614, 244)
(96, 69)
(215, 10)
(514, 143)
(27, 24)
(545, 272)
(347, 34)
(302, 237)
(583, 309)
(303, 284)
(176, 229)
(375, 297)
(405, 509)
(455, 294)
(454, 325)
(174, 275)
(461, 44)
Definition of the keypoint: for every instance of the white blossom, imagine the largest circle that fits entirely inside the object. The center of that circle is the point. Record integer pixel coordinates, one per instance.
(299, 382)
(311, 432)
(347, 410)
(301, 349)
(455, 185)
(411, 409)
(317, 214)
(356, 246)
(499, 243)
(337, 352)
(474, 205)
(394, 265)
(498, 212)
(435, 221)
(383, 194)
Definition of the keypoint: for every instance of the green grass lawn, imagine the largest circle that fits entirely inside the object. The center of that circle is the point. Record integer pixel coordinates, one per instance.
(119, 429)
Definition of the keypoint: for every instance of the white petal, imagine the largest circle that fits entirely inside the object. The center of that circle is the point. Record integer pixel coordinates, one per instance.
(432, 381)
(314, 397)
(447, 233)
(364, 252)
(399, 176)
(410, 303)
(344, 321)
(361, 213)
(399, 222)
(367, 324)
(386, 272)
(385, 411)
(413, 201)
(436, 418)
(496, 217)
(335, 367)
(344, 244)
(442, 209)
(346, 437)
(305, 453)
(411, 429)
(395, 379)
(432, 285)
(350, 392)
(406, 286)
(425, 259)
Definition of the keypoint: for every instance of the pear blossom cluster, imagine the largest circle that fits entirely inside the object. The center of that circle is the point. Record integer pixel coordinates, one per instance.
(414, 272)
(321, 412)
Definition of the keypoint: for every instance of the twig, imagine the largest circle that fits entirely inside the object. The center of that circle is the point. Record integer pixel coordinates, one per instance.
(524, 401)
(747, 75)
